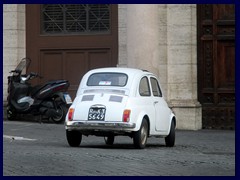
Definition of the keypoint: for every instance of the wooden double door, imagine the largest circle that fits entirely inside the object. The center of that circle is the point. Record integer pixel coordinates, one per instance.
(64, 41)
(216, 65)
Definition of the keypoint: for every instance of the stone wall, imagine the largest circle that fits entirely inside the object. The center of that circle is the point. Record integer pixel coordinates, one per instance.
(14, 39)
(122, 35)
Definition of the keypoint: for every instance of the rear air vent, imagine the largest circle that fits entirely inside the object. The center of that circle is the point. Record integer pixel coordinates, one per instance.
(116, 99)
(87, 98)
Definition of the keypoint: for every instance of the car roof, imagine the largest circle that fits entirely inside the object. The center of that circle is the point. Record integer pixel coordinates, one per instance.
(128, 71)
(132, 73)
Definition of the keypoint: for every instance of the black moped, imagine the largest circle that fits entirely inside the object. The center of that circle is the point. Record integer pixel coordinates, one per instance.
(50, 100)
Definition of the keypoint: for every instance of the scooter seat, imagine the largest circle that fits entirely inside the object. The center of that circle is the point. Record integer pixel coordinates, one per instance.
(56, 82)
(36, 88)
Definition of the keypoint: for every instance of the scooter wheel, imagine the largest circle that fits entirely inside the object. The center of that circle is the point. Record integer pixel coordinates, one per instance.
(62, 111)
(11, 115)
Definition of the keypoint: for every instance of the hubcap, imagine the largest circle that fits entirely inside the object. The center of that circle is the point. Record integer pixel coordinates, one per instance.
(143, 135)
(59, 114)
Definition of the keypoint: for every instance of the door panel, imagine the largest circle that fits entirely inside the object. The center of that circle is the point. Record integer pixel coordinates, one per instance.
(99, 58)
(216, 64)
(75, 66)
(225, 66)
(162, 114)
(51, 65)
(71, 65)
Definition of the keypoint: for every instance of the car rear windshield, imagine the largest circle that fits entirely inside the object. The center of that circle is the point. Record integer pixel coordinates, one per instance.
(107, 79)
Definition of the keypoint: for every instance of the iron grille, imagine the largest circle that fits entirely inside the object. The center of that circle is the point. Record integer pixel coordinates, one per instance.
(75, 18)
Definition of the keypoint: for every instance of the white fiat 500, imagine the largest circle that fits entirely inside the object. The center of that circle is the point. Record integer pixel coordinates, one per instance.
(120, 101)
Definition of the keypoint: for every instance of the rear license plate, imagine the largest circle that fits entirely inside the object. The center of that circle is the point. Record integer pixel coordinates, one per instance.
(96, 114)
(68, 99)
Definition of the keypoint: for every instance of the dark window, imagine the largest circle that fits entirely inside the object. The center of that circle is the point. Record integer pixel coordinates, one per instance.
(107, 79)
(75, 18)
(144, 89)
(155, 87)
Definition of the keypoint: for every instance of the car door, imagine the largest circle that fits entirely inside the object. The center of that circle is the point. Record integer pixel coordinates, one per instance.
(162, 111)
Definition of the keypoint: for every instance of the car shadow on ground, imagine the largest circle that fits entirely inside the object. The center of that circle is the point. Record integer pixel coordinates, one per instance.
(121, 146)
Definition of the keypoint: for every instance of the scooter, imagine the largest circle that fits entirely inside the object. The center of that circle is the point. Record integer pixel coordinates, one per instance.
(49, 100)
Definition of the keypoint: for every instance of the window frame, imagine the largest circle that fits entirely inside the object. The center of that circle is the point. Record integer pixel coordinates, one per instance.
(87, 21)
(159, 91)
(108, 73)
(148, 87)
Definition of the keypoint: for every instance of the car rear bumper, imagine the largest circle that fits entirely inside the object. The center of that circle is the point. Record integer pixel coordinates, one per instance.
(94, 125)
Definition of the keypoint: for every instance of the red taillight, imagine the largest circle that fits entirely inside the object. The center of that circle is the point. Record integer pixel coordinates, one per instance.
(70, 114)
(126, 115)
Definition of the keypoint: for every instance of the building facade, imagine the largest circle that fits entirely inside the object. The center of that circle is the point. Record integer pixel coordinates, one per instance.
(186, 46)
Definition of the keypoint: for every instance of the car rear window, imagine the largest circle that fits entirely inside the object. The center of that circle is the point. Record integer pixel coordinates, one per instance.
(107, 79)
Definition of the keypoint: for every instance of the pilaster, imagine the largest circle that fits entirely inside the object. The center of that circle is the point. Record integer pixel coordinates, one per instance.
(182, 65)
(14, 39)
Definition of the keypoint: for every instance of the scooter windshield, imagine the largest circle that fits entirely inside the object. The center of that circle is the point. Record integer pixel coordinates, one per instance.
(24, 63)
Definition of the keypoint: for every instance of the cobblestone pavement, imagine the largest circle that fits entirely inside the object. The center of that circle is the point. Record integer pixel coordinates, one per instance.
(34, 149)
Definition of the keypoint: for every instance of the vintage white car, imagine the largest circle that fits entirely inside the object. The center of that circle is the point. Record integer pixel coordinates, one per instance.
(120, 101)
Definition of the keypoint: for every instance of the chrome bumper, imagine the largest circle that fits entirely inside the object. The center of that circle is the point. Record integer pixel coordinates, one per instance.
(93, 125)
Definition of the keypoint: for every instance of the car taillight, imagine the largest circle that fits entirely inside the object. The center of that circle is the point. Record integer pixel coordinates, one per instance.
(126, 115)
(70, 114)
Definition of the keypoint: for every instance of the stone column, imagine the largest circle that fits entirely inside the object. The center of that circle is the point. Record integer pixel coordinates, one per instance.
(14, 39)
(143, 37)
(182, 65)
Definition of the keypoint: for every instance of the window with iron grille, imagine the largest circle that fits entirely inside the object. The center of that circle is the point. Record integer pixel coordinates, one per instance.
(75, 18)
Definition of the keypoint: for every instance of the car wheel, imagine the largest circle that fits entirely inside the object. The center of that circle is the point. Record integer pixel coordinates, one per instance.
(109, 140)
(140, 137)
(170, 139)
(74, 138)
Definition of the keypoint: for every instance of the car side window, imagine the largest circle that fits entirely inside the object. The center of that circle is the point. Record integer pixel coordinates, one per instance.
(144, 89)
(155, 87)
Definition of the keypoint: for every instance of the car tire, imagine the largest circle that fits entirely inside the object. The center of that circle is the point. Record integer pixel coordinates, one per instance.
(140, 137)
(74, 138)
(170, 139)
(109, 140)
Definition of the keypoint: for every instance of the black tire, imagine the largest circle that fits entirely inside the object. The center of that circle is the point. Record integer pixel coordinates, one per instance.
(140, 137)
(170, 139)
(62, 109)
(109, 140)
(74, 138)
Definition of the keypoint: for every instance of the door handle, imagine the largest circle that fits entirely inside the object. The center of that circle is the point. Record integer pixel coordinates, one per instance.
(155, 102)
